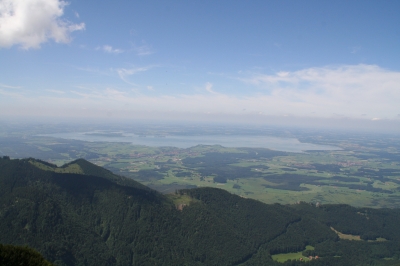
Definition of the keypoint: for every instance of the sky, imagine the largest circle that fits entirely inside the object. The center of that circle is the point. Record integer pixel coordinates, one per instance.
(260, 61)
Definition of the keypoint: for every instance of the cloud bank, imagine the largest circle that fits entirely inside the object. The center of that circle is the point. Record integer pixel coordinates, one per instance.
(363, 92)
(30, 23)
(350, 90)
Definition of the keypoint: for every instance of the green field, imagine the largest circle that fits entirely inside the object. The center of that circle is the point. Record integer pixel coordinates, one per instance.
(364, 173)
(292, 256)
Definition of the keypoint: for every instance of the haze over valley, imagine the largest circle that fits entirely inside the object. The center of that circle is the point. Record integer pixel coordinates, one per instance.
(199, 132)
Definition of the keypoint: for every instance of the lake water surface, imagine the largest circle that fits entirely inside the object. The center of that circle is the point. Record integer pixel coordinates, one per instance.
(249, 141)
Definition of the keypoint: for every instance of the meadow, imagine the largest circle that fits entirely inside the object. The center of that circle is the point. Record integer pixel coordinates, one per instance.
(292, 256)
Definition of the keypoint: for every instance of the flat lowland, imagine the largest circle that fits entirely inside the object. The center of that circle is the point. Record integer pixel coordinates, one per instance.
(364, 173)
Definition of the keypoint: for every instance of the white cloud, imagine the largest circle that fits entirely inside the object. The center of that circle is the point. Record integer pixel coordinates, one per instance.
(126, 104)
(209, 88)
(123, 73)
(10, 95)
(348, 90)
(110, 49)
(30, 23)
(9, 86)
(114, 94)
(364, 92)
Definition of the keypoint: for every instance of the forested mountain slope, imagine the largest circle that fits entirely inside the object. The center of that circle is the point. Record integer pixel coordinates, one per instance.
(13, 255)
(82, 214)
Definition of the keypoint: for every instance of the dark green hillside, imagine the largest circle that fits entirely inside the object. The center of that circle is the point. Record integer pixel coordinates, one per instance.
(15, 255)
(82, 214)
(72, 216)
(368, 223)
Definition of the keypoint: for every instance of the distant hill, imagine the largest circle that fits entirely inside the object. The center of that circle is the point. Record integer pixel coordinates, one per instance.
(82, 214)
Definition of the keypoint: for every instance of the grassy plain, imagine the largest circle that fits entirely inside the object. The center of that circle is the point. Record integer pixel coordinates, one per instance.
(365, 172)
(325, 177)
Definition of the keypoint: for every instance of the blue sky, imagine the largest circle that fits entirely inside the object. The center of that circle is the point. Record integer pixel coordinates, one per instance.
(237, 60)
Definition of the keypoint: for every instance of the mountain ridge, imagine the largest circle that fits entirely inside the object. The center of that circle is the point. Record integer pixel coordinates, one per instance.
(82, 214)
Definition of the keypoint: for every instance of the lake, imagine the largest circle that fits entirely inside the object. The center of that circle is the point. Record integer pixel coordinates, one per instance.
(249, 141)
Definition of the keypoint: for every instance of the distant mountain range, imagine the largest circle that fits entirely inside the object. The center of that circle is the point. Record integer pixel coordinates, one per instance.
(82, 214)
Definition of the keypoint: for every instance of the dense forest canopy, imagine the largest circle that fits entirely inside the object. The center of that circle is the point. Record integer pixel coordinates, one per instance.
(82, 214)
